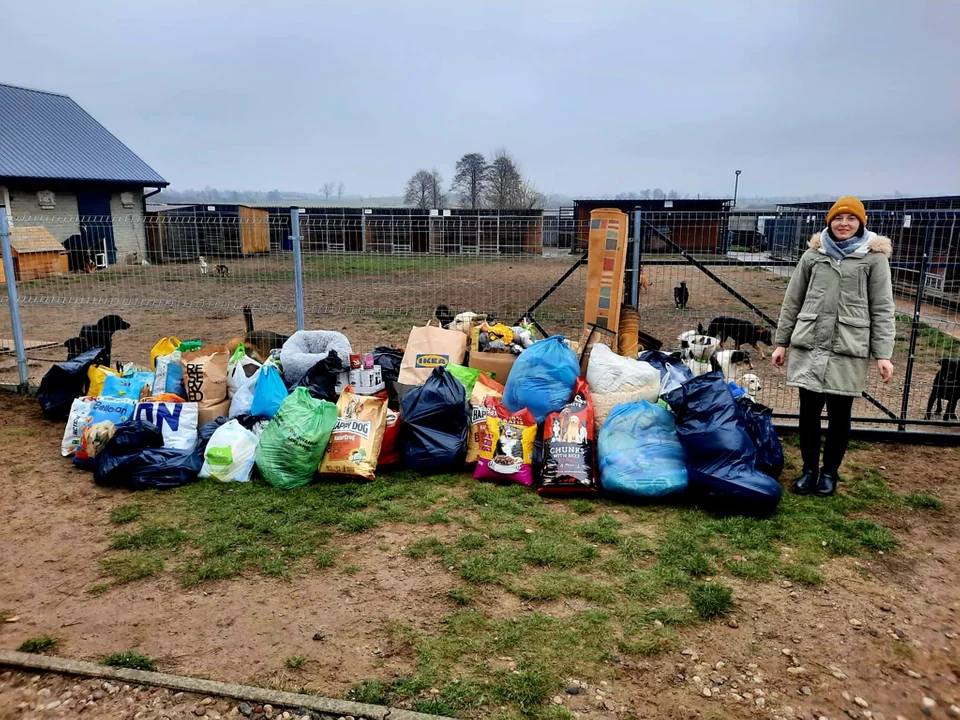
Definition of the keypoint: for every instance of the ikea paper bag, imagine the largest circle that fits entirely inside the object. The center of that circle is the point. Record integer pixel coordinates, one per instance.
(429, 347)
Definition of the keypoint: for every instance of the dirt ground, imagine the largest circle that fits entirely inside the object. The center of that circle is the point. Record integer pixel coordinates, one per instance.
(375, 300)
(883, 629)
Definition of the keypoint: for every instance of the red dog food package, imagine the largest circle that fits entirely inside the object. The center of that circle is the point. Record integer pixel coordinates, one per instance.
(568, 446)
(391, 450)
(506, 448)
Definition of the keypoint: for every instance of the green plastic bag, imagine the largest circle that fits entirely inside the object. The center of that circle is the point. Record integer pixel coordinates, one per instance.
(293, 443)
(467, 376)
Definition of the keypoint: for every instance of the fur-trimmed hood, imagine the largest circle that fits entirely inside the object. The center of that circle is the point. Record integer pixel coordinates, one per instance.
(873, 243)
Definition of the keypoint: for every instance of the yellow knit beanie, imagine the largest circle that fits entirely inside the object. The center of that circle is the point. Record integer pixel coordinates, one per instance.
(848, 204)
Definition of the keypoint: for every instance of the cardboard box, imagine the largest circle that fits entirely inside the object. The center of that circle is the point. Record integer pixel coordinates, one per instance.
(497, 363)
(219, 410)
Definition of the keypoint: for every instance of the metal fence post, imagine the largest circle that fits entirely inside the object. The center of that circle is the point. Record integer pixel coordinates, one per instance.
(297, 265)
(10, 277)
(915, 326)
(635, 261)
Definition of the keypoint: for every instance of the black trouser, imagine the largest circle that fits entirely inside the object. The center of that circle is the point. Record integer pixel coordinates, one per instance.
(839, 408)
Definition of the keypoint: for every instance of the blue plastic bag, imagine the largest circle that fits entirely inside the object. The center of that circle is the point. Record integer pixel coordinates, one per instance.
(721, 456)
(127, 386)
(736, 390)
(269, 393)
(435, 424)
(640, 453)
(542, 378)
(673, 373)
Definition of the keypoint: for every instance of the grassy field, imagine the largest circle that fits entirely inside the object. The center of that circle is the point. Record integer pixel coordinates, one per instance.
(640, 573)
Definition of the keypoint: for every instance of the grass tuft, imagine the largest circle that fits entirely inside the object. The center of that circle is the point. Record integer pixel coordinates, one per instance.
(462, 596)
(38, 645)
(711, 600)
(295, 662)
(924, 501)
(130, 659)
(131, 566)
(124, 514)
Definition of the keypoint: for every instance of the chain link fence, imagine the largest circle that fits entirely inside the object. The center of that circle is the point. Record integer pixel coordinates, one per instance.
(189, 271)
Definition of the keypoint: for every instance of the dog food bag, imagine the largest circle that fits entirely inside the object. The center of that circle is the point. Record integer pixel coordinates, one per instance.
(163, 346)
(205, 376)
(230, 453)
(239, 370)
(73, 432)
(105, 416)
(484, 388)
(568, 446)
(134, 385)
(391, 449)
(506, 448)
(177, 421)
(293, 443)
(357, 437)
(97, 374)
(169, 375)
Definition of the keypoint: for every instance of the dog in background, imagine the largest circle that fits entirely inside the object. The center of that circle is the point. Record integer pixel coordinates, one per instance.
(203, 265)
(946, 387)
(644, 282)
(100, 334)
(132, 258)
(732, 363)
(221, 270)
(743, 332)
(75, 346)
(681, 296)
(751, 383)
(257, 343)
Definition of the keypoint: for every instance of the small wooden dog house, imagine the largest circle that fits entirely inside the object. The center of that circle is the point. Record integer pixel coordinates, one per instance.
(36, 254)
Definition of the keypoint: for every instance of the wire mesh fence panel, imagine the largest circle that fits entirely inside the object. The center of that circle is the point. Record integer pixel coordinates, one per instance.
(187, 275)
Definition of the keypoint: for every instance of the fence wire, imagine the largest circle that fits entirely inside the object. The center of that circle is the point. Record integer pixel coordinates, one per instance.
(190, 271)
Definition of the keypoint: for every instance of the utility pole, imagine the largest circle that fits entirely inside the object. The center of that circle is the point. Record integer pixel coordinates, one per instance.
(736, 186)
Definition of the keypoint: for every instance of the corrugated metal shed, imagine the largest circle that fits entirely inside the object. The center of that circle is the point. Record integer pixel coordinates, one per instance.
(45, 135)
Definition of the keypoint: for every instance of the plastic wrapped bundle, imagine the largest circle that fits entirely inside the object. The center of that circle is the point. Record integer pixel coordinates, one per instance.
(639, 452)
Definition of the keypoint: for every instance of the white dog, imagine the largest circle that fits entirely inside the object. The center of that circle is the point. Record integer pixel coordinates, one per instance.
(751, 383)
(203, 265)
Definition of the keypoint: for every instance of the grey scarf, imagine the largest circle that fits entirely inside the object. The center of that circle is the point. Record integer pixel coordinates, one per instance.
(839, 249)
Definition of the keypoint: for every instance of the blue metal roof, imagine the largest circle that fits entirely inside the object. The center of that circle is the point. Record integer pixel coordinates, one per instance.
(46, 135)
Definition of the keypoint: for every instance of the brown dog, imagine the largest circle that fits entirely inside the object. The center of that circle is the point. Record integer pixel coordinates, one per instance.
(258, 343)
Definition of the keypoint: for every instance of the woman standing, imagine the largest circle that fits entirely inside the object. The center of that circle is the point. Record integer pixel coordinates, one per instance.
(837, 313)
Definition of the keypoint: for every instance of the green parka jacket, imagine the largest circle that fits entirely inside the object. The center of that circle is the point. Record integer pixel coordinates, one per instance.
(836, 315)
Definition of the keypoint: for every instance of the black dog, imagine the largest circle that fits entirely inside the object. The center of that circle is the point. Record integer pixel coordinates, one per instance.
(743, 332)
(76, 346)
(221, 270)
(101, 333)
(946, 386)
(681, 296)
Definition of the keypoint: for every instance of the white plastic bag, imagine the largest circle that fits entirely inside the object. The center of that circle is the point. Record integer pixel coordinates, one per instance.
(608, 372)
(240, 370)
(177, 422)
(230, 453)
(243, 399)
(76, 420)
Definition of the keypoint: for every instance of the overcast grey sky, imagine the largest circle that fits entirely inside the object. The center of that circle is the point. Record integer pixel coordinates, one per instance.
(592, 97)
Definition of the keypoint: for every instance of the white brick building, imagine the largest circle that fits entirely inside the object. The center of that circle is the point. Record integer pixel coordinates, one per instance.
(62, 170)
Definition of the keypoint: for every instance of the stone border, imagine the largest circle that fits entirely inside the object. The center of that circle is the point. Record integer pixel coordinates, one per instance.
(179, 683)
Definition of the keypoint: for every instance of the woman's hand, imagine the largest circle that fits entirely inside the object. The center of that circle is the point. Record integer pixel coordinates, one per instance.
(779, 357)
(886, 370)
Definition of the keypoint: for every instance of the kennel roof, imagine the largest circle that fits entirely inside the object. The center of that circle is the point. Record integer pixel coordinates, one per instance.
(49, 136)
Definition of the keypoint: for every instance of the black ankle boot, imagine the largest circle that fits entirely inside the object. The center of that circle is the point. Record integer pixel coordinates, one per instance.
(806, 483)
(827, 485)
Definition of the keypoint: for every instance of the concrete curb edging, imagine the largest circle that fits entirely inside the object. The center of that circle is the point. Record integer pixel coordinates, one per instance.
(249, 693)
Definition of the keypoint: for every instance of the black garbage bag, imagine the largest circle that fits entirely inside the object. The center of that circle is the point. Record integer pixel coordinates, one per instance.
(759, 422)
(135, 459)
(721, 457)
(435, 424)
(321, 379)
(389, 359)
(65, 382)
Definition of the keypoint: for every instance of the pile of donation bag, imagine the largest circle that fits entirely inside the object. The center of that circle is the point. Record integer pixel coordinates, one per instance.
(631, 427)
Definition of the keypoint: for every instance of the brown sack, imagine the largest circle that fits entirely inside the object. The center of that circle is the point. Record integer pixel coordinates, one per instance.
(205, 376)
(429, 347)
(205, 415)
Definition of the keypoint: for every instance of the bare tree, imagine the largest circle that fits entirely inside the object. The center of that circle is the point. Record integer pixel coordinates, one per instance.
(340, 188)
(503, 181)
(327, 190)
(469, 180)
(658, 194)
(528, 196)
(437, 196)
(673, 195)
(419, 191)
(645, 195)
